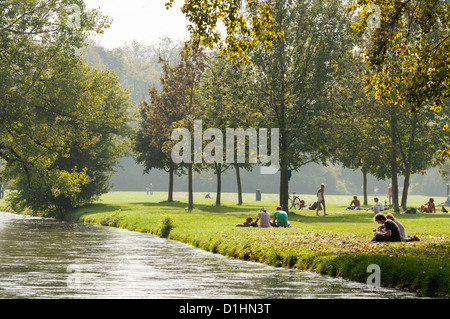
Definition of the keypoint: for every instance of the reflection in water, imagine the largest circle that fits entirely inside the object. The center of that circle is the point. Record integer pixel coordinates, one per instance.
(43, 258)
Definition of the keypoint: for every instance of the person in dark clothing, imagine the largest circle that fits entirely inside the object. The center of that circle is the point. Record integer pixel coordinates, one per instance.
(388, 230)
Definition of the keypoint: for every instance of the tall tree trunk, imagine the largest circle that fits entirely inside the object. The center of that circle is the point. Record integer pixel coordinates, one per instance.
(408, 162)
(394, 171)
(219, 183)
(239, 184)
(284, 165)
(284, 181)
(284, 188)
(394, 163)
(170, 195)
(190, 188)
(364, 185)
(284, 146)
(406, 186)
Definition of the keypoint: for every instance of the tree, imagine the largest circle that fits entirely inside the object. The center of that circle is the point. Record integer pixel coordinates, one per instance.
(379, 137)
(157, 118)
(152, 156)
(174, 107)
(352, 139)
(407, 55)
(52, 103)
(81, 173)
(292, 79)
(223, 91)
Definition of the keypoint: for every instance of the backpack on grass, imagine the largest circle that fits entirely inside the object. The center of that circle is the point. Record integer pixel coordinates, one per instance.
(410, 211)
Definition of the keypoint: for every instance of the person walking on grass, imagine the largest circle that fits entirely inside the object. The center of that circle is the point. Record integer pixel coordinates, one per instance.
(321, 200)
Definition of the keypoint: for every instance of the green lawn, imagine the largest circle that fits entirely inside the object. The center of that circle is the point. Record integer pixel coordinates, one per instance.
(336, 245)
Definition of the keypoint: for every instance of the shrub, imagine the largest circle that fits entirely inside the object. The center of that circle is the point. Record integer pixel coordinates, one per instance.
(165, 226)
(112, 220)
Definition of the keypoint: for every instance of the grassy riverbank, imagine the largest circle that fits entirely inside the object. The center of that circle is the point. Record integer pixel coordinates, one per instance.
(335, 245)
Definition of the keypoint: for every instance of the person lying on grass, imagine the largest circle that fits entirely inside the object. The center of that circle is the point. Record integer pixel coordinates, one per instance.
(248, 223)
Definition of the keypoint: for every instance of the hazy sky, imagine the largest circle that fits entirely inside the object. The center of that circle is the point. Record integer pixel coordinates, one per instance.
(143, 20)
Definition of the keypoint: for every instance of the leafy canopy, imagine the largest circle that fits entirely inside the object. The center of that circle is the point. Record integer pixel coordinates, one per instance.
(407, 51)
(246, 24)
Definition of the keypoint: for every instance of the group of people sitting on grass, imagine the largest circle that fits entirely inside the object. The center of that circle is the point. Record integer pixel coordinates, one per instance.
(279, 219)
(389, 229)
(355, 204)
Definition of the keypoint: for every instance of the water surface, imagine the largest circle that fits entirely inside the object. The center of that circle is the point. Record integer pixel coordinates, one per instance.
(45, 258)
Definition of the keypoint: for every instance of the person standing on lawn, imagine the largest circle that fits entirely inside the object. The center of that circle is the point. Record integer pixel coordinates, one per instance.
(321, 200)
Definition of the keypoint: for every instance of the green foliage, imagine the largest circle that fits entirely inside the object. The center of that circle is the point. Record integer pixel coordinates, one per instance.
(165, 226)
(112, 220)
(292, 81)
(247, 24)
(61, 119)
(407, 53)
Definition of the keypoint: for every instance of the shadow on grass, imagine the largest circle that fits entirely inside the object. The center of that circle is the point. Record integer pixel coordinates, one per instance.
(206, 208)
(97, 208)
(331, 218)
(101, 208)
(307, 217)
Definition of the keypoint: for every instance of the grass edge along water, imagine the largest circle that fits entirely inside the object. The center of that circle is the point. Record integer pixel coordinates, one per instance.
(335, 245)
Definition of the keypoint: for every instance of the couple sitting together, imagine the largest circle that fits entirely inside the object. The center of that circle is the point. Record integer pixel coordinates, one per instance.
(390, 229)
(280, 219)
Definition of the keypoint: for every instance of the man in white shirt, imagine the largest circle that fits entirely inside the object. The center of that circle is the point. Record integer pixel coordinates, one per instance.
(378, 207)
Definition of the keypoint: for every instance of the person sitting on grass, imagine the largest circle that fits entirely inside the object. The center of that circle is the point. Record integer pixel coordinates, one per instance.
(354, 204)
(401, 228)
(388, 233)
(429, 207)
(264, 216)
(280, 218)
(303, 205)
(377, 207)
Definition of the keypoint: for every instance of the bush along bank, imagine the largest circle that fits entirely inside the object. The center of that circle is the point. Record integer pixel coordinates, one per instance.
(421, 267)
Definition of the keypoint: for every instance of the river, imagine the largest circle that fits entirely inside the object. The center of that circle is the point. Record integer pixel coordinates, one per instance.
(45, 258)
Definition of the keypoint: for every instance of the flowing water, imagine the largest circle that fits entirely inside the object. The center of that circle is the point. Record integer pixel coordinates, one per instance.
(45, 258)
